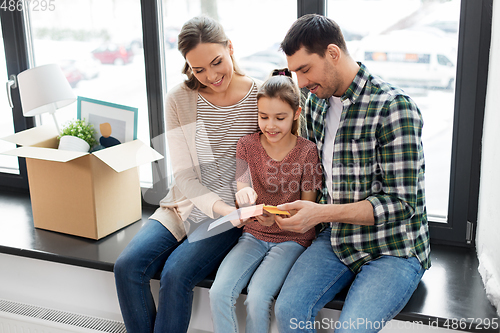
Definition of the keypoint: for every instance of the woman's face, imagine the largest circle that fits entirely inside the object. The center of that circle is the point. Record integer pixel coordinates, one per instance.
(212, 65)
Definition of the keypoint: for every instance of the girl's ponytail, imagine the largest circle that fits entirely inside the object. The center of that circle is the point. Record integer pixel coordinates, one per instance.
(283, 71)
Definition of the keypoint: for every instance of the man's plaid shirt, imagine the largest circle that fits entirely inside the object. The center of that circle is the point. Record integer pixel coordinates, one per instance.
(378, 156)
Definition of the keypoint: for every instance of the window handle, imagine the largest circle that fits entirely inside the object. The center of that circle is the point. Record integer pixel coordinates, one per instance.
(12, 83)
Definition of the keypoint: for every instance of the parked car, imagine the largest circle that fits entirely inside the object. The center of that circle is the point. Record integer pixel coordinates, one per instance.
(170, 34)
(112, 53)
(136, 45)
(411, 57)
(72, 73)
(87, 65)
(260, 64)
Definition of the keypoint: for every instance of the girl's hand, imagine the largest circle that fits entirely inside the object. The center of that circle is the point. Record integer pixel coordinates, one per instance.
(266, 219)
(246, 197)
(244, 222)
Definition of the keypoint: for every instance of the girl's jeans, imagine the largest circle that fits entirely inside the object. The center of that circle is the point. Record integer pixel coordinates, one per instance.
(378, 292)
(266, 266)
(181, 266)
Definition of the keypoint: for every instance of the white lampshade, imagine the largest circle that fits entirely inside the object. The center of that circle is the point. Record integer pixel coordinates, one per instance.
(44, 89)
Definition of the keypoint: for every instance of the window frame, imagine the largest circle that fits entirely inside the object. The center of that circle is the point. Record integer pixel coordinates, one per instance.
(470, 94)
(470, 97)
(156, 87)
(17, 60)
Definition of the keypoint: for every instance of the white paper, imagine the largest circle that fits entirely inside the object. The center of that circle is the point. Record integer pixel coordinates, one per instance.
(239, 214)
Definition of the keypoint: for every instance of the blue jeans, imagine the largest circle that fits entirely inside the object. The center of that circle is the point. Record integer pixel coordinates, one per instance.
(378, 292)
(266, 266)
(181, 266)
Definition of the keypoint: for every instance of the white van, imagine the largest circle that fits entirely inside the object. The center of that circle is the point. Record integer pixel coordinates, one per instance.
(414, 58)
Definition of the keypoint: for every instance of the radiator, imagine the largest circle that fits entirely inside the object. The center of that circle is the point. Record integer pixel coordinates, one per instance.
(24, 318)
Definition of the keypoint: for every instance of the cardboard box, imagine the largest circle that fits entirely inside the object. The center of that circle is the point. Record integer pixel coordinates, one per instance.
(84, 194)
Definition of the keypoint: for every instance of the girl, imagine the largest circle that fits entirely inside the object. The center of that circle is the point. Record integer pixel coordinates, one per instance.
(281, 167)
(206, 115)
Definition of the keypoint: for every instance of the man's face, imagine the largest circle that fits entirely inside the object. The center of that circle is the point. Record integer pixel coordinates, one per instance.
(315, 73)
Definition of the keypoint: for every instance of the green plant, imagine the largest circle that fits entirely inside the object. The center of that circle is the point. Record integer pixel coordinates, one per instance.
(81, 129)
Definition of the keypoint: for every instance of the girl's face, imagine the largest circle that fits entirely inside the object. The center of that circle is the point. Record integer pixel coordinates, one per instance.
(211, 65)
(276, 118)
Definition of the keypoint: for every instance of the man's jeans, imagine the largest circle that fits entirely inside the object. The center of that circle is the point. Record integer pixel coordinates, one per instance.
(181, 266)
(378, 292)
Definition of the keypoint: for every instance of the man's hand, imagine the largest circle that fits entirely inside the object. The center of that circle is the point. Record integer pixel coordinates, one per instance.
(246, 197)
(304, 216)
(309, 214)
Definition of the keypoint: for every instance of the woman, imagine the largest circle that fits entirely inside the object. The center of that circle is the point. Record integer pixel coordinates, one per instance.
(206, 115)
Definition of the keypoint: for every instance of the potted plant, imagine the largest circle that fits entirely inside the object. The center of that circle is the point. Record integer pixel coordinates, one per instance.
(77, 135)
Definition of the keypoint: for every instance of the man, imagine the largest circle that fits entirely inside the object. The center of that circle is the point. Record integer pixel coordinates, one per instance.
(368, 135)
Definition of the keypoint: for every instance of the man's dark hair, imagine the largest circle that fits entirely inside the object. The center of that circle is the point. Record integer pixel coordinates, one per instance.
(314, 32)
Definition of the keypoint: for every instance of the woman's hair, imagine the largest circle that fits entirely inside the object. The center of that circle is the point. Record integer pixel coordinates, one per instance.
(314, 32)
(280, 85)
(201, 29)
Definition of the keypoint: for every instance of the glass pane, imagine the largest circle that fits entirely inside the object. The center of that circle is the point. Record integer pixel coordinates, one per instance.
(8, 164)
(98, 44)
(412, 44)
(255, 45)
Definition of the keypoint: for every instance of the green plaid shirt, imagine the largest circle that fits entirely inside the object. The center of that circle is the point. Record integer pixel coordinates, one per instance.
(378, 156)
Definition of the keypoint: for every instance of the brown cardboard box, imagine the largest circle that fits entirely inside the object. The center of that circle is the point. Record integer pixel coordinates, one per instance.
(82, 194)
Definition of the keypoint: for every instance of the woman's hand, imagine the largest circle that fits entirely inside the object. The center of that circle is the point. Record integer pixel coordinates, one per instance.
(246, 197)
(221, 208)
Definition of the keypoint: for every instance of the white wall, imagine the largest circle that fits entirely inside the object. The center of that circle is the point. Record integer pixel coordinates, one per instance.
(488, 226)
(92, 292)
(58, 286)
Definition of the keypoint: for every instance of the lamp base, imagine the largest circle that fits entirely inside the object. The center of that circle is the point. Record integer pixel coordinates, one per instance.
(73, 143)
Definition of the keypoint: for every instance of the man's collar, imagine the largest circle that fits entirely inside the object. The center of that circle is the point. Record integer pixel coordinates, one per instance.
(354, 91)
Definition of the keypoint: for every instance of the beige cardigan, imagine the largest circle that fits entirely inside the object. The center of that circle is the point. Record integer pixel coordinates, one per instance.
(186, 190)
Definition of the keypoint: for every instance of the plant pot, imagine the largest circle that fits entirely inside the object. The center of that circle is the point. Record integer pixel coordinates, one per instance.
(69, 142)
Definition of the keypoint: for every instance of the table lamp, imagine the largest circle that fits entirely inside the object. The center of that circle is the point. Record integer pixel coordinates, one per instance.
(44, 89)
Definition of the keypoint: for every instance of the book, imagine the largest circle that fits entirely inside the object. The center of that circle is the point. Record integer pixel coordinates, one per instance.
(246, 213)
(275, 210)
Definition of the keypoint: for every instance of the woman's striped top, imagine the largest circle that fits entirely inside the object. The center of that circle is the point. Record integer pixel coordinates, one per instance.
(218, 129)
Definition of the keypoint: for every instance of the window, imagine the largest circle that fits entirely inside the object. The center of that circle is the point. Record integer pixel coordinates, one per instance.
(414, 46)
(452, 169)
(255, 44)
(98, 45)
(254, 31)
